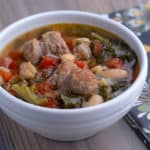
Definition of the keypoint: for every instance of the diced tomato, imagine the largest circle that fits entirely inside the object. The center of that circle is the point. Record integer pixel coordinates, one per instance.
(5, 75)
(50, 103)
(81, 64)
(69, 42)
(12, 65)
(5, 62)
(47, 62)
(15, 55)
(44, 87)
(97, 47)
(13, 68)
(114, 63)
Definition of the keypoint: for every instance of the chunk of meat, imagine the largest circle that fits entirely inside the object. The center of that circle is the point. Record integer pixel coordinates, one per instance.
(54, 43)
(61, 74)
(97, 47)
(27, 70)
(81, 81)
(32, 50)
(82, 48)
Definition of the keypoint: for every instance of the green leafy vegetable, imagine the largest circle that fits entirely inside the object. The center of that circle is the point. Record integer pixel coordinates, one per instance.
(71, 101)
(27, 93)
(120, 85)
(105, 55)
(112, 90)
(100, 38)
(91, 62)
(108, 50)
(112, 49)
(17, 79)
(105, 92)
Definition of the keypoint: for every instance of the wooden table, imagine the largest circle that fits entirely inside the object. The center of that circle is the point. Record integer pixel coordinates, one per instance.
(15, 137)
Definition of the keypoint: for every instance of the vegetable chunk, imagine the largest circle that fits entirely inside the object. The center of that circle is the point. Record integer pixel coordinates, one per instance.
(28, 94)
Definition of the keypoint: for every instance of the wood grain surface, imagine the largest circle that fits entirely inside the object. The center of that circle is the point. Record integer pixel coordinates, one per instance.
(15, 137)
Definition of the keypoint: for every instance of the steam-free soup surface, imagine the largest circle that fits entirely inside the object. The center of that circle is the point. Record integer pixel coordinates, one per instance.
(67, 66)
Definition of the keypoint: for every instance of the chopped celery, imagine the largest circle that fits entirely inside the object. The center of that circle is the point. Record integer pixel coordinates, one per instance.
(105, 92)
(71, 101)
(27, 93)
(100, 38)
(91, 62)
(17, 79)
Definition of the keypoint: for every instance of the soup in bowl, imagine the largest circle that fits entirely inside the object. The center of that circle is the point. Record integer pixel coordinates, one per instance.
(68, 74)
(37, 66)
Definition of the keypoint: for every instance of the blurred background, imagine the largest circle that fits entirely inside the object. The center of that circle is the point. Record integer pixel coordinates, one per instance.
(11, 10)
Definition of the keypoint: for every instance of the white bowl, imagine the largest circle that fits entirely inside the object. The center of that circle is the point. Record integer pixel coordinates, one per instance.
(72, 124)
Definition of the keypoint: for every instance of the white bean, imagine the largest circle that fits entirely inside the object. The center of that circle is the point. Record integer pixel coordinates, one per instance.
(82, 40)
(27, 70)
(114, 73)
(94, 100)
(67, 57)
